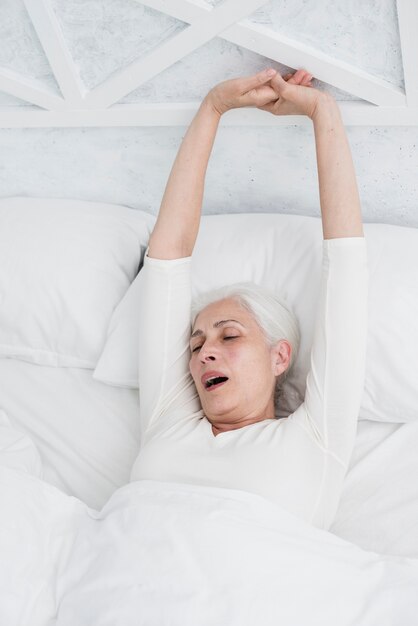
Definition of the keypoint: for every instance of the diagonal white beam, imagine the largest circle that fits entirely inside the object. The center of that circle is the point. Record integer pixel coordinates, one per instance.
(287, 51)
(408, 23)
(29, 89)
(181, 114)
(52, 40)
(328, 69)
(208, 26)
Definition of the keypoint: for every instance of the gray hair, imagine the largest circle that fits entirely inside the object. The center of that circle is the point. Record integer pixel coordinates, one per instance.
(274, 317)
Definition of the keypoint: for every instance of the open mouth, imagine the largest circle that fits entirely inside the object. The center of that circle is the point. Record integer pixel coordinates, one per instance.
(214, 383)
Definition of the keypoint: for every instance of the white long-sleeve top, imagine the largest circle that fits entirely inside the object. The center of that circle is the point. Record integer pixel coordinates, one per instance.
(300, 461)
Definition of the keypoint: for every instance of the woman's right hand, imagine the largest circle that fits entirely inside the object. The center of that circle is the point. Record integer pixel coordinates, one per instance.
(295, 95)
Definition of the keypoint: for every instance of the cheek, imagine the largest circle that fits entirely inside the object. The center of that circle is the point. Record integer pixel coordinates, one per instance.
(192, 366)
(254, 362)
(245, 359)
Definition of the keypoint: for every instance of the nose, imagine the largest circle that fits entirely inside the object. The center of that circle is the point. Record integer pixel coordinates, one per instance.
(206, 353)
(209, 357)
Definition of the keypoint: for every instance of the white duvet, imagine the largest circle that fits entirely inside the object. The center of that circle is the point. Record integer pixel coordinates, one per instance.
(163, 553)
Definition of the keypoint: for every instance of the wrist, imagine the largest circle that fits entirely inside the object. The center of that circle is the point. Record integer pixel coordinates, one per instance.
(324, 107)
(211, 105)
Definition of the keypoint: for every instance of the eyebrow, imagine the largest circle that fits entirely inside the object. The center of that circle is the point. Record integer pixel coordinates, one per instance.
(216, 324)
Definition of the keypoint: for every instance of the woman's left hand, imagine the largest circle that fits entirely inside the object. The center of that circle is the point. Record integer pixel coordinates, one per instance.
(250, 91)
(242, 92)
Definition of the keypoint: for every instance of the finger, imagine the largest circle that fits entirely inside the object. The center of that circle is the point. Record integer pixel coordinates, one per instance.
(301, 78)
(278, 83)
(294, 79)
(258, 97)
(252, 82)
(306, 79)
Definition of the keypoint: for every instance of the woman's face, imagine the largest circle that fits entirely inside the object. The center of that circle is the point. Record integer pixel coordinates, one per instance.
(228, 341)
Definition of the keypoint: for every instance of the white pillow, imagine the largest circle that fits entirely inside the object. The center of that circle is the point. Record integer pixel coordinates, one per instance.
(284, 253)
(64, 266)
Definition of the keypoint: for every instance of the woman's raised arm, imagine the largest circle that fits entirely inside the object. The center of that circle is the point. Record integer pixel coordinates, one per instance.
(176, 229)
(340, 203)
(177, 226)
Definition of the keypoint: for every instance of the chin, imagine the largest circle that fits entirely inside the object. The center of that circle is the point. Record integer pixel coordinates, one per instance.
(216, 409)
(216, 406)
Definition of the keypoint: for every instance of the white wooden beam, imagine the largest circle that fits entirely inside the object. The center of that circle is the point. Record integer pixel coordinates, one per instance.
(52, 40)
(408, 24)
(278, 47)
(181, 114)
(184, 10)
(29, 89)
(324, 67)
(201, 31)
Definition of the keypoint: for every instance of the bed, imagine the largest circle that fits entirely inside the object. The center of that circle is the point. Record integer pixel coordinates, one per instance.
(79, 544)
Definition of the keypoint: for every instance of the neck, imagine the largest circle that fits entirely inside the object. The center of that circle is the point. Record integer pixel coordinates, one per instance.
(222, 427)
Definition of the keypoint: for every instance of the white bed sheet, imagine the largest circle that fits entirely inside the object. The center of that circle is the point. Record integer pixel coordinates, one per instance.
(171, 553)
(87, 434)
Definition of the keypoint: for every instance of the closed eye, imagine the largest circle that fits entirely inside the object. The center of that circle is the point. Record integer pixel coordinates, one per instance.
(230, 337)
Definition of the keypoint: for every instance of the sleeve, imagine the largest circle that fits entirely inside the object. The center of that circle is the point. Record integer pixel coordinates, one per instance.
(166, 388)
(335, 382)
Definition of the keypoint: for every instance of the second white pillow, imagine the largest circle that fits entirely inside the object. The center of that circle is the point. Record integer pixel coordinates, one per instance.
(284, 253)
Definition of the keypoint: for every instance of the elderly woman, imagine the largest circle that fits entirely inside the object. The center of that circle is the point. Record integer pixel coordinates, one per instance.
(209, 371)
